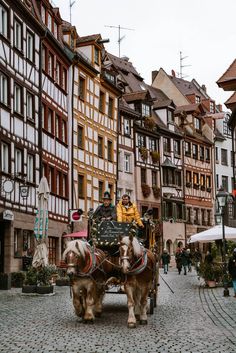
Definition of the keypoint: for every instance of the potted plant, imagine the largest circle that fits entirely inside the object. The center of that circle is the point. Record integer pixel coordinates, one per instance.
(17, 279)
(30, 283)
(208, 273)
(44, 279)
(188, 184)
(156, 191)
(146, 190)
(143, 152)
(149, 123)
(155, 156)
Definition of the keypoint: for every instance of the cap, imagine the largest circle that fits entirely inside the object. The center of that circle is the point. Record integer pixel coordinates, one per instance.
(106, 196)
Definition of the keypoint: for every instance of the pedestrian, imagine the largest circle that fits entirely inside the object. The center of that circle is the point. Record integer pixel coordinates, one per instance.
(165, 257)
(197, 257)
(189, 256)
(106, 211)
(184, 258)
(232, 270)
(178, 260)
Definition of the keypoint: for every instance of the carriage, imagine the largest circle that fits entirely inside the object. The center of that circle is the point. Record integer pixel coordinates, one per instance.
(120, 259)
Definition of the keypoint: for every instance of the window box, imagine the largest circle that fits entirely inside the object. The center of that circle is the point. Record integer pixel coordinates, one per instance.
(143, 152)
(203, 188)
(156, 191)
(155, 156)
(149, 123)
(146, 190)
(196, 186)
(208, 189)
(188, 184)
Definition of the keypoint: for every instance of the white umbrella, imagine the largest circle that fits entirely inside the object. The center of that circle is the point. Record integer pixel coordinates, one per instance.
(41, 225)
(214, 233)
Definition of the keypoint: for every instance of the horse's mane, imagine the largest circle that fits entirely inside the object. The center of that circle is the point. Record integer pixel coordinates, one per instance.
(136, 246)
(79, 247)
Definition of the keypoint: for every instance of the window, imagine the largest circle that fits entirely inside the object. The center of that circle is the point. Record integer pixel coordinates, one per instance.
(110, 151)
(52, 250)
(207, 154)
(100, 147)
(202, 152)
(58, 73)
(55, 30)
(188, 215)
(166, 145)
(3, 21)
(177, 148)
(170, 115)
(195, 151)
(80, 186)
(226, 128)
(209, 217)
(5, 157)
(196, 216)
(179, 211)
(51, 181)
(50, 126)
(217, 181)
(141, 141)
(225, 182)
(212, 107)
(30, 46)
(63, 136)
(152, 144)
(18, 161)
(143, 176)
(197, 124)
(43, 116)
(29, 105)
(49, 22)
(232, 158)
(57, 126)
(110, 107)
(127, 164)
(195, 179)
(50, 65)
(100, 190)
(96, 55)
(3, 88)
(81, 88)
(178, 181)
(208, 181)
(18, 34)
(202, 180)
(188, 177)
(18, 99)
(146, 110)
(197, 99)
(101, 102)
(30, 168)
(58, 182)
(64, 79)
(43, 57)
(80, 134)
(217, 154)
(127, 127)
(43, 14)
(154, 178)
(224, 157)
(168, 176)
(187, 149)
(203, 216)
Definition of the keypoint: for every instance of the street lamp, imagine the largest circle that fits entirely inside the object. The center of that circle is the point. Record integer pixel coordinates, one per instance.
(222, 198)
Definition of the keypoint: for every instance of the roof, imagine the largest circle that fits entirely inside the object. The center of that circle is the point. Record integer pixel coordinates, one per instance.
(231, 100)
(123, 64)
(168, 163)
(189, 108)
(230, 74)
(134, 96)
(87, 39)
(218, 135)
(186, 87)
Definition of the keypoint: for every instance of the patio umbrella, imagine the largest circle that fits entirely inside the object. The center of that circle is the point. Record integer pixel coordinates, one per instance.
(214, 233)
(41, 225)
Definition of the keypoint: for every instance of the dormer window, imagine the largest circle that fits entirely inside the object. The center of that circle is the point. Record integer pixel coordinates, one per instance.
(212, 107)
(197, 99)
(43, 14)
(50, 22)
(96, 55)
(146, 110)
(197, 124)
(55, 30)
(170, 115)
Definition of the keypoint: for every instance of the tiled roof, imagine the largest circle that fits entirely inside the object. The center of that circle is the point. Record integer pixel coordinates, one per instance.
(231, 100)
(187, 108)
(134, 96)
(123, 64)
(185, 87)
(85, 39)
(230, 73)
(162, 103)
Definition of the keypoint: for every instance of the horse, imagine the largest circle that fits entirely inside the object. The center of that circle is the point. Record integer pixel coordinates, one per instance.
(138, 265)
(87, 268)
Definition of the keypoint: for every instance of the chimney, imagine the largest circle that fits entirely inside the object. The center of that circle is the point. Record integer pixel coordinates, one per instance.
(173, 73)
(219, 107)
(204, 88)
(154, 74)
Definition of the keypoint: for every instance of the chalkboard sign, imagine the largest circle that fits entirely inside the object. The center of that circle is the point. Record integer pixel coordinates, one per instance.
(109, 231)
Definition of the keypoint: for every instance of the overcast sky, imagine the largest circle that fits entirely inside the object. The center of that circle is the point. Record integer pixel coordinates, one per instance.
(203, 30)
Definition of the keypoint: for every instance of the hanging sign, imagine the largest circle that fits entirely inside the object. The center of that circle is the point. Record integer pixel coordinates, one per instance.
(76, 215)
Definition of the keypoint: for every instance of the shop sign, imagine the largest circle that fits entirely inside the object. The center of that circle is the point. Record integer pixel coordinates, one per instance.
(8, 215)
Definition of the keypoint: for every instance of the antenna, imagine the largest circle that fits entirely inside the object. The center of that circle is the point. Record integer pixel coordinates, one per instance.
(119, 37)
(71, 4)
(182, 58)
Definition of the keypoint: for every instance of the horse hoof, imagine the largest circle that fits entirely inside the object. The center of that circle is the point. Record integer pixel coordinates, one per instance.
(143, 322)
(137, 317)
(132, 325)
(98, 314)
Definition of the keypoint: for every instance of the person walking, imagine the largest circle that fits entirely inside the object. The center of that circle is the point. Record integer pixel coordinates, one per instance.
(189, 260)
(185, 259)
(165, 258)
(232, 270)
(178, 261)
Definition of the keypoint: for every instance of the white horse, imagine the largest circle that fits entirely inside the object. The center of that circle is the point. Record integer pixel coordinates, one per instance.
(85, 266)
(138, 265)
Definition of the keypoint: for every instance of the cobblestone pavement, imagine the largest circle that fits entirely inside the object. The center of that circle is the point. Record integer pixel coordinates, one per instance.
(193, 319)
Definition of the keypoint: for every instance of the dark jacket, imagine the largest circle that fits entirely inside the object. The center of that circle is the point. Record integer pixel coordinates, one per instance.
(185, 258)
(232, 267)
(165, 257)
(105, 212)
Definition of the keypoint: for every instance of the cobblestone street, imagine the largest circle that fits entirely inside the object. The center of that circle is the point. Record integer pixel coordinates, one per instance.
(190, 320)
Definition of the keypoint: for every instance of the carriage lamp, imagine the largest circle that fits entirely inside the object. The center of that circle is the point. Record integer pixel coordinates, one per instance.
(222, 199)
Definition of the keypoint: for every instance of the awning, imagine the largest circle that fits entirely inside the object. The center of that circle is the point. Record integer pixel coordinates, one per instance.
(81, 234)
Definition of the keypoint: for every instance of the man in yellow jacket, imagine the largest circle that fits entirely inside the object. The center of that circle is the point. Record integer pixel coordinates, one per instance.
(127, 211)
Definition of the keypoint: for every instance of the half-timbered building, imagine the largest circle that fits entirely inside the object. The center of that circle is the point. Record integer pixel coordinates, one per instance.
(20, 41)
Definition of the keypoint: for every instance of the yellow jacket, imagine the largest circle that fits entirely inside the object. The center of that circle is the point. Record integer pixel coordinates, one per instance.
(128, 214)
